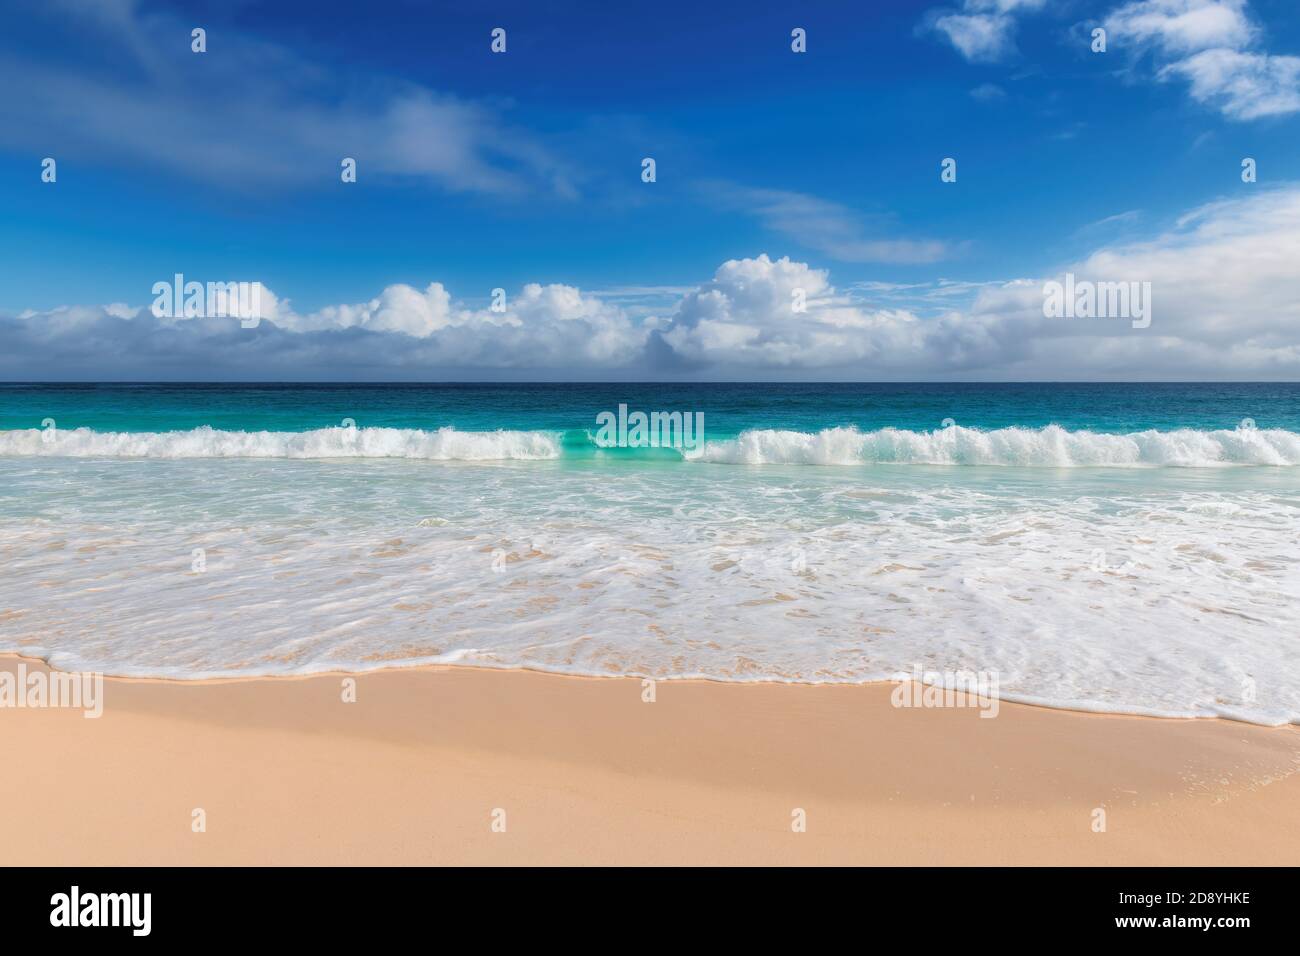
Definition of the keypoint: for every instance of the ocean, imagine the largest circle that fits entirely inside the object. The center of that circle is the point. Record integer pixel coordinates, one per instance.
(1128, 548)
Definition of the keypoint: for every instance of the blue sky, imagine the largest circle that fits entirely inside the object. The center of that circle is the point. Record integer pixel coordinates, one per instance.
(479, 170)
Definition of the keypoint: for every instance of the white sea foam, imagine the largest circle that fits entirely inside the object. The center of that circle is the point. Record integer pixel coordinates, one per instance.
(443, 444)
(1166, 591)
(1050, 446)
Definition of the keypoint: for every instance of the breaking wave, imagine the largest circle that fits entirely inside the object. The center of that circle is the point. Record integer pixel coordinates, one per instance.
(1050, 446)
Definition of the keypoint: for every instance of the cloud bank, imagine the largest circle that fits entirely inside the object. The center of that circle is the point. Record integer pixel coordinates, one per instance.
(1226, 305)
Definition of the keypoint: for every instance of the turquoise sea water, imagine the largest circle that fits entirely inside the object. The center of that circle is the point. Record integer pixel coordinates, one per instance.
(1126, 548)
(729, 408)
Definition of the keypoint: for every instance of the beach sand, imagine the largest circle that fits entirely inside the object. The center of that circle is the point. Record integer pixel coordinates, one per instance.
(586, 772)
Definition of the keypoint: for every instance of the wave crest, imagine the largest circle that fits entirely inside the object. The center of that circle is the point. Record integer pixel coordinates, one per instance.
(1050, 446)
(443, 444)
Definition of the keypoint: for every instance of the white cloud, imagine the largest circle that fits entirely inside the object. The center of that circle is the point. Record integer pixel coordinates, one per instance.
(1225, 293)
(745, 316)
(982, 31)
(1226, 272)
(1211, 44)
(399, 308)
(1244, 86)
(1184, 26)
(1208, 44)
(256, 115)
(1226, 300)
(543, 325)
(980, 38)
(824, 226)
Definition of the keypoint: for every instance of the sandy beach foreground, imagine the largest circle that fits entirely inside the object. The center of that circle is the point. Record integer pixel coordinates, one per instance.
(429, 765)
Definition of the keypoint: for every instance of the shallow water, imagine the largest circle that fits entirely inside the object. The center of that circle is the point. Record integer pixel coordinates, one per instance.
(1169, 585)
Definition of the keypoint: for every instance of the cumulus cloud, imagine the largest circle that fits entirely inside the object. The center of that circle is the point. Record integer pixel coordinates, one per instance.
(766, 313)
(544, 325)
(1225, 305)
(1209, 44)
(1184, 26)
(401, 333)
(1225, 291)
(1244, 86)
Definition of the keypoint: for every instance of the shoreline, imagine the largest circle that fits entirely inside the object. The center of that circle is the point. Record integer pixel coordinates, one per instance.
(1002, 699)
(586, 771)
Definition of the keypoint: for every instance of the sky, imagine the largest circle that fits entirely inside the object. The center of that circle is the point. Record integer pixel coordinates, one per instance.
(780, 177)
